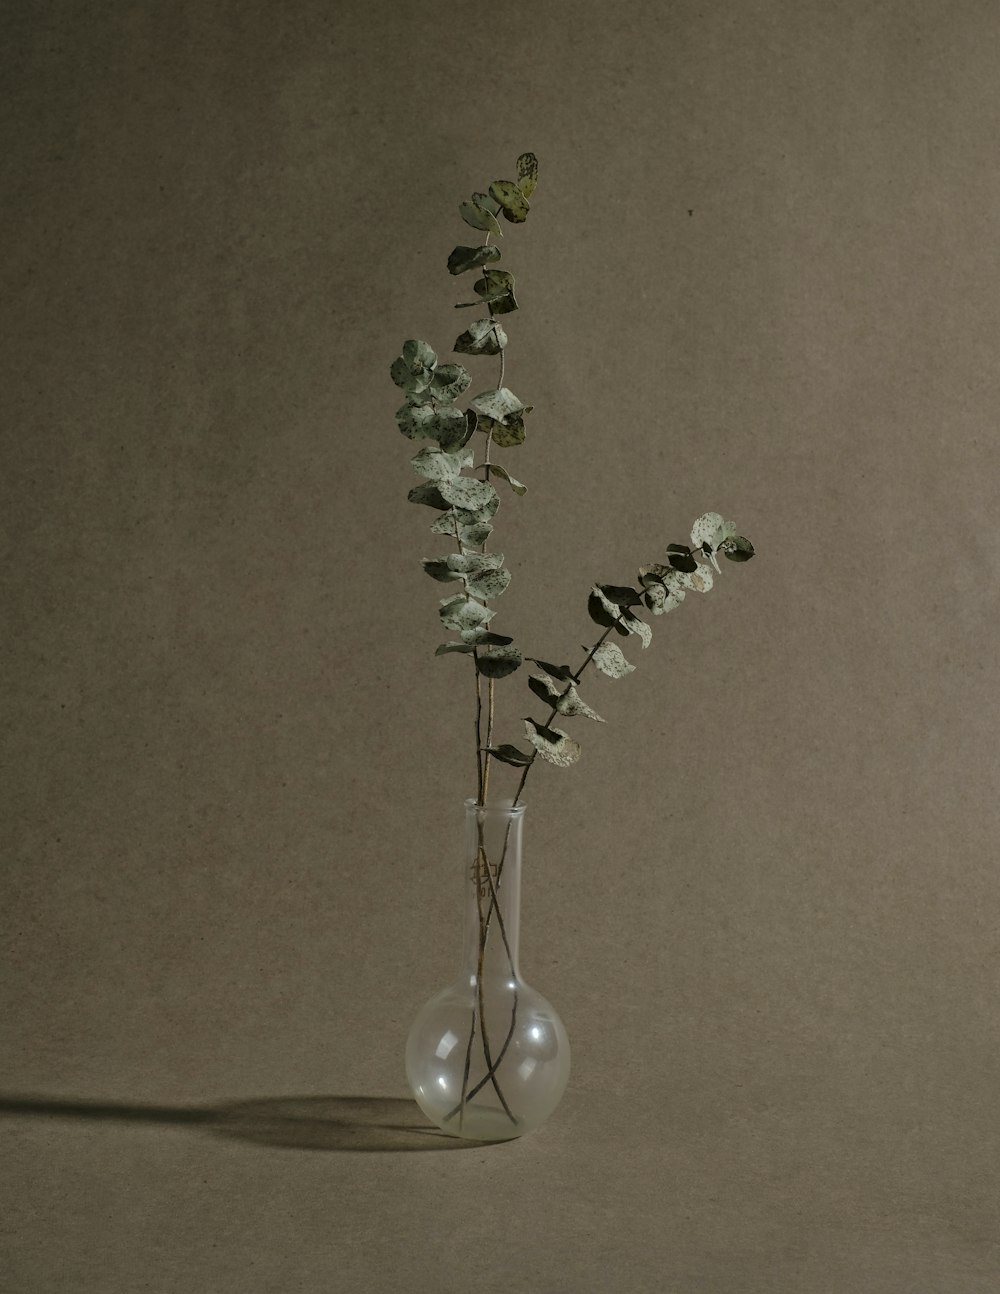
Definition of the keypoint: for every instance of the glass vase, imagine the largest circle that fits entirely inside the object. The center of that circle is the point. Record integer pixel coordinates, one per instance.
(488, 1058)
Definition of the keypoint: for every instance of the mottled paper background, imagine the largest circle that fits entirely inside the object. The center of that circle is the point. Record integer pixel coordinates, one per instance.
(760, 276)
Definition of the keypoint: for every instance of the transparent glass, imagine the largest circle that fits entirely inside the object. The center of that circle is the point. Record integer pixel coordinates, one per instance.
(488, 1057)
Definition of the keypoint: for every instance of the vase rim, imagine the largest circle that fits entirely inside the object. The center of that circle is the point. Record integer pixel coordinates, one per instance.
(506, 807)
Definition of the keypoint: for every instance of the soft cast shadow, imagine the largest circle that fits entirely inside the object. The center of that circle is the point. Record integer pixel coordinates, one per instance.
(344, 1123)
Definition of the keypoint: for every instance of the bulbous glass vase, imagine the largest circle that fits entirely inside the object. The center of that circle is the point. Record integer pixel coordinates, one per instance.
(488, 1058)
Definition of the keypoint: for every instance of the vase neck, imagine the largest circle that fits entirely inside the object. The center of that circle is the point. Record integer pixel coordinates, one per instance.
(492, 889)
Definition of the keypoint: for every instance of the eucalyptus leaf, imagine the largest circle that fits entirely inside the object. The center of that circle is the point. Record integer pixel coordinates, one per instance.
(429, 494)
(508, 754)
(417, 421)
(700, 579)
(462, 613)
(449, 382)
(496, 404)
(516, 486)
(619, 595)
(600, 610)
(494, 287)
(498, 662)
(635, 625)
(544, 687)
(435, 465)
(438, 569)
(488, 584)
(527, 173)
(477, 533)
(474, 563)
(562, 672)
(467, 492)
(414, 368)
(682, 562)
(610, 660)
(484, 337)
(476, 215)
(738, 549)
(506, 434)
(709, 531)
(467, 648)
(571, 704)
(512, 198)
(483, 637)
(470, 258)
(554, 745)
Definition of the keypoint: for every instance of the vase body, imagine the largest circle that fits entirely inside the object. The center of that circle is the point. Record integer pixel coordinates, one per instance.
(488, 1058)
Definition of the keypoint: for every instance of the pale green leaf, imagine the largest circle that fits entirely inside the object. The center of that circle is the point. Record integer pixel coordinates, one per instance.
(435, 465)
(417, 421)
(470, 258)
(497, 404)
(498, 662)
(571, 704)
(484, 337)
(506, 434)
(610, 660)
(474, 563)
(554, 745)
(635, 625)
(476, 215)
(467, 492)
(449, 382)
(710, 529)
(462, 613)
(516, 486)
(488, 584)
(467, 648)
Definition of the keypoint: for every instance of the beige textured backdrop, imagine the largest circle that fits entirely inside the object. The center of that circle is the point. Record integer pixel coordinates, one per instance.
(760, 276)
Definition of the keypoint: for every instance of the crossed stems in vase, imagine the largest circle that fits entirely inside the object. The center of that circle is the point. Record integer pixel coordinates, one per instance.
(485, 871)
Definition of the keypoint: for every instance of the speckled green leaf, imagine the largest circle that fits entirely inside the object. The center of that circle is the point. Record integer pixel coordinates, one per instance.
(463, 613)
(488, 584)
(484, 337)
(437, 568)
(700, 579)
(571, 704)
(512, 198)
(484, 637)
(476, 533)
(710, 530)
(435, 465)
(417, 421)
(544, 687)
(449, 381)
(527, 173)
(445, 648)
(554, 745)
(498, 662)
(610, 660)
(738, 549)
(635, 625)
(497, 404)
(516, 486)
(429, 494)
(474, 563)
(414, 368)
(467, 492)
(478, 216)
(496, 287)
(506, 434)
(470, 258)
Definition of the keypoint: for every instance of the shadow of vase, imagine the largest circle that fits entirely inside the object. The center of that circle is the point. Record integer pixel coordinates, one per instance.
(331, 1123)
